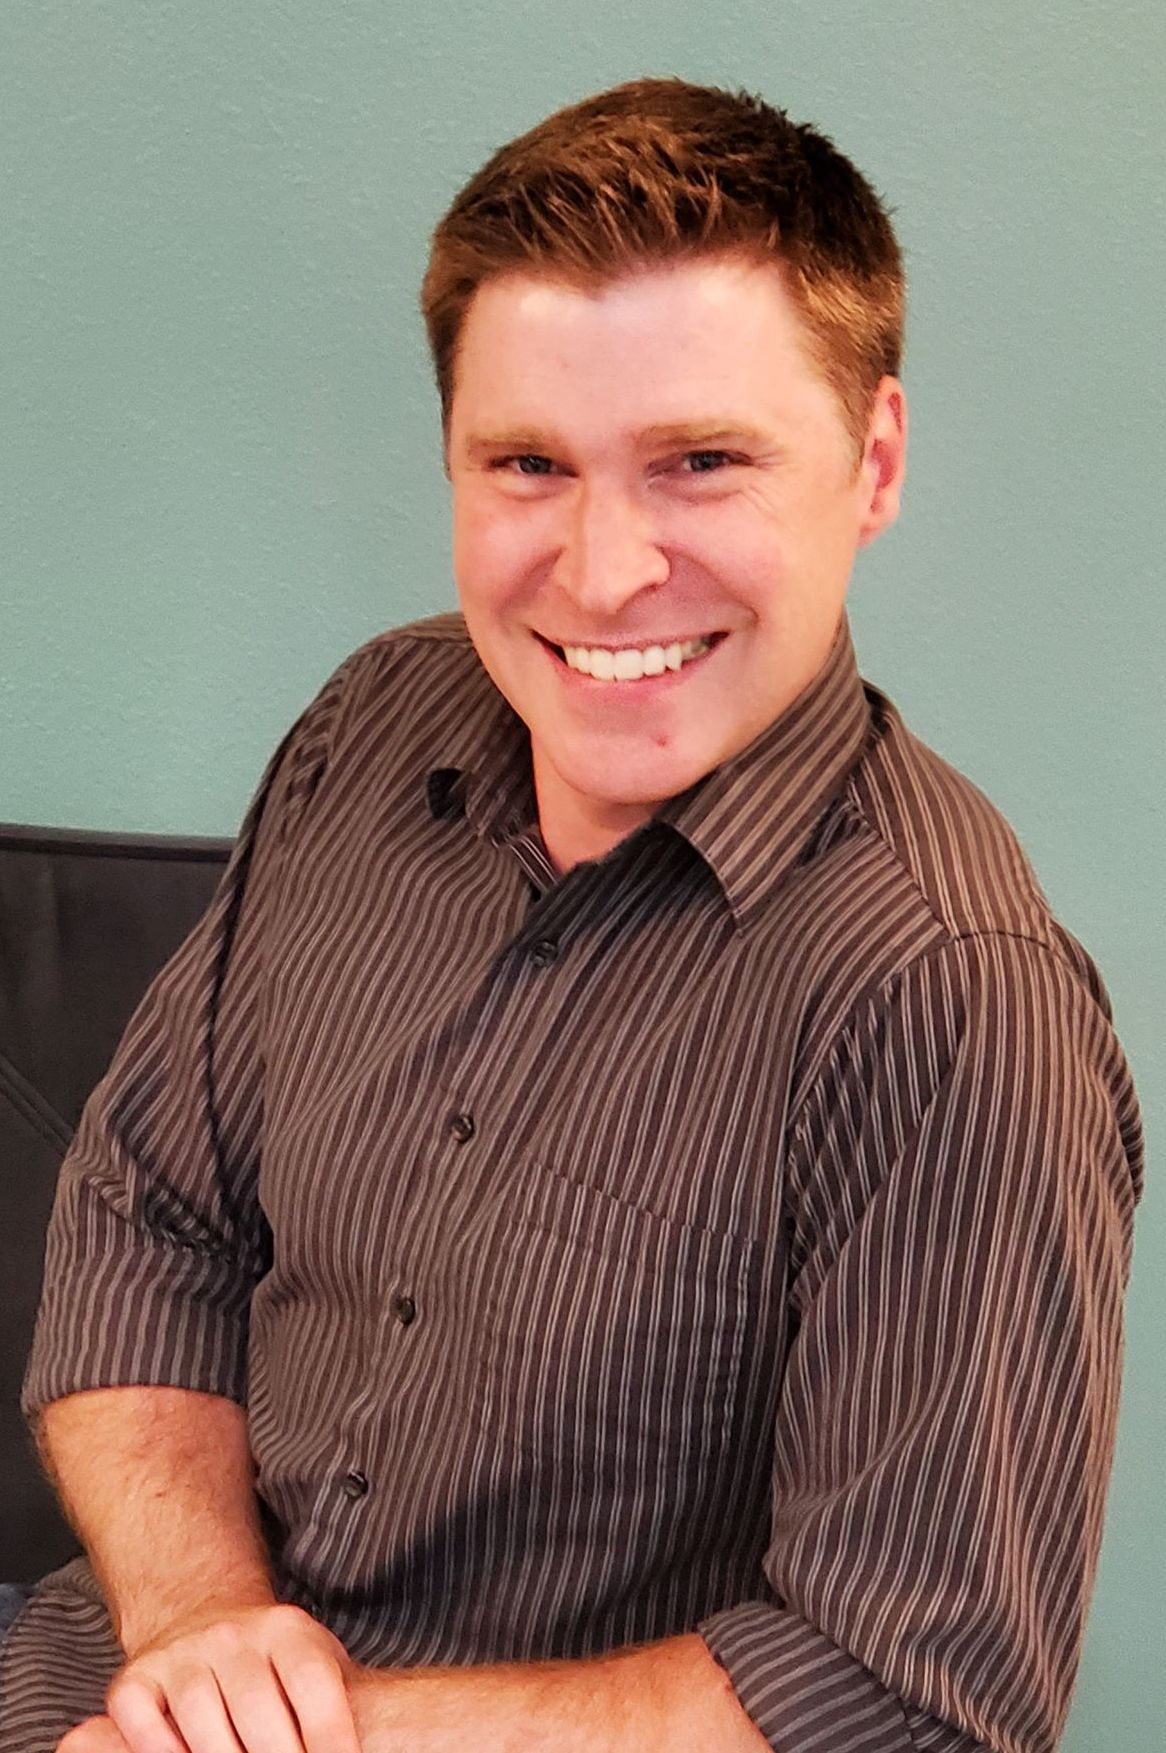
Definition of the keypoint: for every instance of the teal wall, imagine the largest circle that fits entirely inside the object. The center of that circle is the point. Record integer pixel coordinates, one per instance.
(219, 464)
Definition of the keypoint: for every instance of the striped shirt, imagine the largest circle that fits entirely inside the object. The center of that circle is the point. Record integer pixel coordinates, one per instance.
(729, 1235)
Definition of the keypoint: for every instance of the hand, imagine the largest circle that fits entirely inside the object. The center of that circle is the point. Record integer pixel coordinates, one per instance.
(264, 1679)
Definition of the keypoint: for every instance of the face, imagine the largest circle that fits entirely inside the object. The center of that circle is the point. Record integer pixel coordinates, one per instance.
(656, 512)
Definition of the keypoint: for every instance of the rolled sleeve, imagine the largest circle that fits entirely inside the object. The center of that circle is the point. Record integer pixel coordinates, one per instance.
(962, 1188)
(800, 1689)
(157, 1238)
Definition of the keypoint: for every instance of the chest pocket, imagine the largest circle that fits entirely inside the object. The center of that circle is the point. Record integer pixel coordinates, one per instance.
(617, 1341)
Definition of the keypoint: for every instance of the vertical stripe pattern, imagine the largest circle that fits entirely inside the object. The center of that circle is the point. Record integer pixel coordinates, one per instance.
(729, 1236)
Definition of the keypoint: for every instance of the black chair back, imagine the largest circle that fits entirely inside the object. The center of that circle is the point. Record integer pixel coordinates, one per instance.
(86, 921)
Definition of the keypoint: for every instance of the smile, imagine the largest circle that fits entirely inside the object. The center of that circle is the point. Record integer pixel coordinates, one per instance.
(631, 663)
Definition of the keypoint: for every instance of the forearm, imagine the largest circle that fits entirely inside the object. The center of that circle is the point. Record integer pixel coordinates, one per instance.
(158, 1483)
(671, 1694)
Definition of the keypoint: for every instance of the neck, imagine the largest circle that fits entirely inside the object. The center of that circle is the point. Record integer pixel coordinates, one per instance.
(575, 829)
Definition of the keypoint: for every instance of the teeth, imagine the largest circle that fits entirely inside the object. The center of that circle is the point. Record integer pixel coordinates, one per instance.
(633, 662)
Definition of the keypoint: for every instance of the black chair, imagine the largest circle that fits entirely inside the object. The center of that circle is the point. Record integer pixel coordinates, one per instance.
(86, 921)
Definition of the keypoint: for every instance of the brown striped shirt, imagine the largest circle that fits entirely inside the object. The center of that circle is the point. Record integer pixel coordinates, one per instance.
(727, 1236)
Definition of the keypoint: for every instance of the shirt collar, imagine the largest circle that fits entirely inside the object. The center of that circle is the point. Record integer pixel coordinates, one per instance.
(483, 772)
(749, 820)
(753, 817)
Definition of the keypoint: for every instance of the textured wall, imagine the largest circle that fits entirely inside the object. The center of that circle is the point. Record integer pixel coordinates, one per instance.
(220, 459)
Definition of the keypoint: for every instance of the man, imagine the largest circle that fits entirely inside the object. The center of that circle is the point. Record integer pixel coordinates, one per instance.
(611, 1234)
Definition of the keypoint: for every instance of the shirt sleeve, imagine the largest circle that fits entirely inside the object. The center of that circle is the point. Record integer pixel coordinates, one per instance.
(962, 1184)
(157, 1238)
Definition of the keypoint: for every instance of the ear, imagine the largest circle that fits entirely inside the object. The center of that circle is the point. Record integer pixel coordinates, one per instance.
(884, 461)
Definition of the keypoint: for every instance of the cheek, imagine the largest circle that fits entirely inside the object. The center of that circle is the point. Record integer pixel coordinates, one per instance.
(492, 554)
(744, 530)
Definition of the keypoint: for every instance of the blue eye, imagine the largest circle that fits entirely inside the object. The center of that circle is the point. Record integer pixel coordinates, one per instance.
(706, 462)
(538, 465)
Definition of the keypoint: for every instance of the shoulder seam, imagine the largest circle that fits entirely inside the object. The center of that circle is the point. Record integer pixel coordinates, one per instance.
(873, 994)
(892, 851)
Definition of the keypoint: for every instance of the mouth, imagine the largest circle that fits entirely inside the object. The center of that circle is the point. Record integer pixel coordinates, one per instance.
(632, 663)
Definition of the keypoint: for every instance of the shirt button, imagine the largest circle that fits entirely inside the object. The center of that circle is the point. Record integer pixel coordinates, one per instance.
(461, 1127)
(406, 1310)
(355, 1484)
(545, 952)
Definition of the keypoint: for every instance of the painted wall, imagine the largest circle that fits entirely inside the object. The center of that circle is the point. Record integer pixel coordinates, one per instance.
(220, 460)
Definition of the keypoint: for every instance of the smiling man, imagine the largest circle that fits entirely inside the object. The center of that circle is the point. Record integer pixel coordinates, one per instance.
(656, 512)
(611, 1234)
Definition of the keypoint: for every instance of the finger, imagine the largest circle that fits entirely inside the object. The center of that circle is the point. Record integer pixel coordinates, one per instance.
(257, 1706)
(97, 1734)
(200, 1714)
(319, 1697)
(137, 1707)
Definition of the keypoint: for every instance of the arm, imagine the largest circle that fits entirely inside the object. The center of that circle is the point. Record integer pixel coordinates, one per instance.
(158, 1483)
(157, 1238)
(139, 1365)
(666, 1695)
(961, 1191)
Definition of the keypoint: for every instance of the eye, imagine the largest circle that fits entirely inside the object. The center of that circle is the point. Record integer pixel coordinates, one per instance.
(707, 462)
(529, 463)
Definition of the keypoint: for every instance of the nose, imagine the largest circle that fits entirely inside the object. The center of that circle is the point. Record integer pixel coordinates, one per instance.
(610, 552)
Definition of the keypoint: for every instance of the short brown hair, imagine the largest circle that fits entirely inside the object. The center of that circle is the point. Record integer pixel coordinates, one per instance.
(659, 170)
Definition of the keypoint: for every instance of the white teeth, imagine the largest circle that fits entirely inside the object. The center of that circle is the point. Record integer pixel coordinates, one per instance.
(632, 662)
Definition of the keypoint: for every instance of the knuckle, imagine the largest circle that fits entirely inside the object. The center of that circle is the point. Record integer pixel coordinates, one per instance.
(127, 1696)
(319, 1681)
(285, 1617)
(218, 1640)
(317, 1686)
(190, 1688)
(129, 1684)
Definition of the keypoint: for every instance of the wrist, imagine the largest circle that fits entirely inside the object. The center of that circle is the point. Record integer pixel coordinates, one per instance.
(153, 1620)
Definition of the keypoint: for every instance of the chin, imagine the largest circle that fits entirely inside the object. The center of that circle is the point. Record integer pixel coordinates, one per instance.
(624, 784)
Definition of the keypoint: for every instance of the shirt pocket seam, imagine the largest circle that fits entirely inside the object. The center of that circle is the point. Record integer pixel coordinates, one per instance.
(712, 1268)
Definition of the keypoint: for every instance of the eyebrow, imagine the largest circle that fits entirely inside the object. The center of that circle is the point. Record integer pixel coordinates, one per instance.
(686, 434)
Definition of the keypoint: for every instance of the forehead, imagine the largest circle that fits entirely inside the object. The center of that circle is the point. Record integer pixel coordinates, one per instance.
(656, 346)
